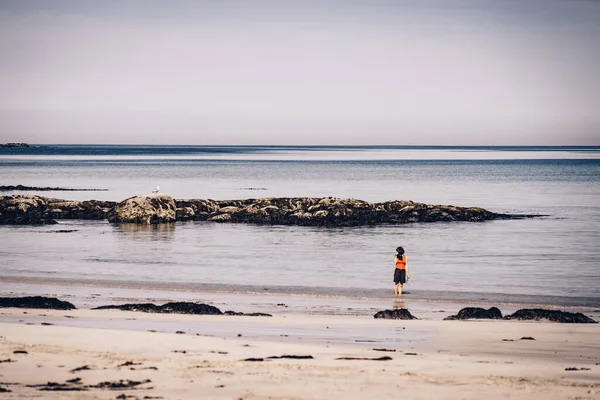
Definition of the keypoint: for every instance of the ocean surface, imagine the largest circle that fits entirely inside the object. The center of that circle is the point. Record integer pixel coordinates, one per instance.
(553, 259)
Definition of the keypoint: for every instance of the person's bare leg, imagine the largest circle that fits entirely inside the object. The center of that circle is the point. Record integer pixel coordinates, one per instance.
(399, 289)
(396, 290)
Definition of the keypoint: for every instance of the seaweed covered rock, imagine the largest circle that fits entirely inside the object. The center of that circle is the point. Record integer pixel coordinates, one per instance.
(149, 209)
(328, 211)
(302, 211)
(476, 313)
(182, 307)
(537, 314)
(401, 313)
(25, 210)
(49, 303)
(87, 209)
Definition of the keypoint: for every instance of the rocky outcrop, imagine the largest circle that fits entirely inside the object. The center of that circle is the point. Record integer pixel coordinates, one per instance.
(36, 210)
(308, 211)
(537, 314)
(49, 303)
(25, 210)
(88, 209)
(149, 209)
(401, 313)
(183, 307)
(303, 211)
(476, 313)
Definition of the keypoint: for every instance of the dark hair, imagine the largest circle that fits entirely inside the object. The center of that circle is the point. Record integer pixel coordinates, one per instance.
(400, 251)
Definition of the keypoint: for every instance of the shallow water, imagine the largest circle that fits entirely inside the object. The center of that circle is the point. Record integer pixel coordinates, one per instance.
(556, 256)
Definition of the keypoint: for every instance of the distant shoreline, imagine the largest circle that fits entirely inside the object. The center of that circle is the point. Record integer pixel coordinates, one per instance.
(311, 146)
(15, 144)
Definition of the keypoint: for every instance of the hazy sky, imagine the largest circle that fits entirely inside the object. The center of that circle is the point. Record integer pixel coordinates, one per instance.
(522, 72)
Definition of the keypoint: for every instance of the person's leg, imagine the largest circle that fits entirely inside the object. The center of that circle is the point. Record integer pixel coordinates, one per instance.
(399, 289)
(396, 289)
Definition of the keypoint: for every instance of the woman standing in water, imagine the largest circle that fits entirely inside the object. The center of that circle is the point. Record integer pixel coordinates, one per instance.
(401, 271)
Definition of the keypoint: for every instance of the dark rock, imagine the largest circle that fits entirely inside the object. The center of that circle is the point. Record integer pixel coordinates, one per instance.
(128, 364)
(527, 338)
(303, 211)
(149, 209)
(61, 387)
(4, 390)
(25, 210)
(327, 212)
(64, 388)
(255, 314)
(82, 368)
(538, 314)
(87, 210)
(388, 350)
(37, 210)
(120, 384)
(292, 357)
(254, 359)
(168, 308)
(49, 303)
(394, 314)
(476, 313)
(144, 307)
(20, 352)
(385, 358)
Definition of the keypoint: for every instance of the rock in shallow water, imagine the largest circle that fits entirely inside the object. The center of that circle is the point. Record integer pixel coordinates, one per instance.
(303, 211)
(476, 313)
(149, 209)
(25, 210)
(537, 314)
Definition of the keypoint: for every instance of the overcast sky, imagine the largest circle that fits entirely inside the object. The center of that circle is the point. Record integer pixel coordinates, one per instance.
(438, 72)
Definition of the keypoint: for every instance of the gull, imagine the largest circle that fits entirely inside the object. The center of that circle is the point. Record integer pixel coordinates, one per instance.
(157, 189)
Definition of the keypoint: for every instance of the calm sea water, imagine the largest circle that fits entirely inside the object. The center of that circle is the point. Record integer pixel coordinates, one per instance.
(552, 259)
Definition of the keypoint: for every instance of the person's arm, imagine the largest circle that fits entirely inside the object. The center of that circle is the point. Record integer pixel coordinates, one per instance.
(406, 266)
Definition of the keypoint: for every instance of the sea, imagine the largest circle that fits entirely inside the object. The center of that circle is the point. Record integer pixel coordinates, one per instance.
(553, 258)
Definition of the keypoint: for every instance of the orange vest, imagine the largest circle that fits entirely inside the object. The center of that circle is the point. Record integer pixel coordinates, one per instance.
(401, 264)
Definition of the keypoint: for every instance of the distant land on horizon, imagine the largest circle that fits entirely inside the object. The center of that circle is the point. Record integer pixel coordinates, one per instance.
(301, 146)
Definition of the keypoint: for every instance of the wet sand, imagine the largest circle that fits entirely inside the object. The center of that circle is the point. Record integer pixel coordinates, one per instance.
(429, 358)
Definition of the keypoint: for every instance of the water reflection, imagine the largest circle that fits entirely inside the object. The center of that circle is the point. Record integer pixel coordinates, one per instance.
(398, 303)
(141, 232)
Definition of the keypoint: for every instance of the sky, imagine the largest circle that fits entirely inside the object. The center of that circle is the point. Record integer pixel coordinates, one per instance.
(377, 72)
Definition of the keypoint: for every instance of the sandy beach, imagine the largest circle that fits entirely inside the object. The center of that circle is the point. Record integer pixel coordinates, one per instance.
(108, 354)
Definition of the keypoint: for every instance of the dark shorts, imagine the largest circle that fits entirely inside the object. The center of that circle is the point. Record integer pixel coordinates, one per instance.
(399, 276)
